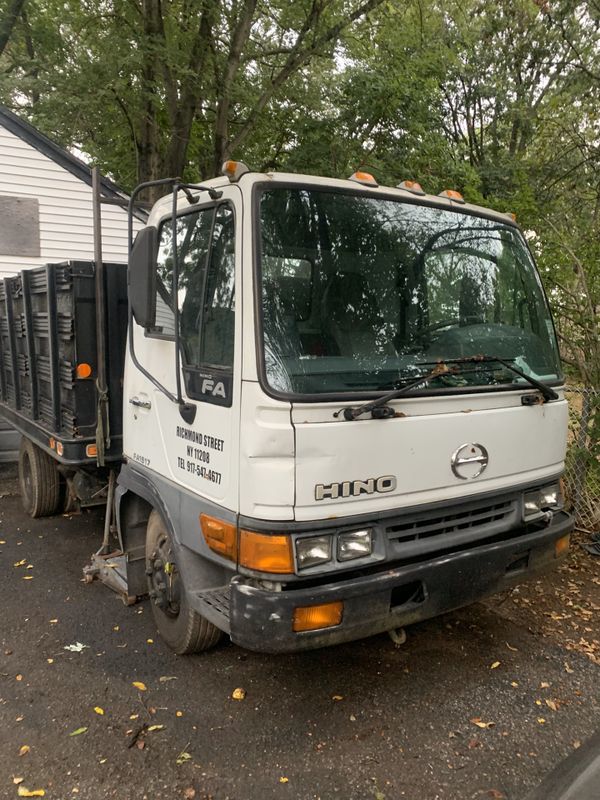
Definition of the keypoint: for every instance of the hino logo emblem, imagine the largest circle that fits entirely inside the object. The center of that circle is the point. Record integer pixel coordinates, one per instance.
(333, 491)
(469, 461)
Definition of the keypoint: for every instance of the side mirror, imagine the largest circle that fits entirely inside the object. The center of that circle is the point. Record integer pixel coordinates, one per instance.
(141, 277)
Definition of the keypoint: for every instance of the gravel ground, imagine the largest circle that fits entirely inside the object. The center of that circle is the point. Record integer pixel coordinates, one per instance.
(480, 703)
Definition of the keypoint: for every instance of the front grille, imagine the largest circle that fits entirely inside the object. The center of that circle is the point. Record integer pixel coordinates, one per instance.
(428, 526)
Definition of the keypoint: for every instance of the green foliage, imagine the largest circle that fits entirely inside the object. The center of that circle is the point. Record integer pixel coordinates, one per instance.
(499, 101)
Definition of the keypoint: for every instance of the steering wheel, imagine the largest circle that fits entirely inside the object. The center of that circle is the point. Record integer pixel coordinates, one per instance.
(436, 326)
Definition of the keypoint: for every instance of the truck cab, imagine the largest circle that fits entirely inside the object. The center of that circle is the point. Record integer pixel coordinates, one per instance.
(343, 410)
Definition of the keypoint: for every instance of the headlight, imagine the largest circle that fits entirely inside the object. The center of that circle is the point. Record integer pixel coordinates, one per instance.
(537, 502)
(354, 545)
(313, 550)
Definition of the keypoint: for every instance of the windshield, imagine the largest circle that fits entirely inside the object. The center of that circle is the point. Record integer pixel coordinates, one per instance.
(361, 294)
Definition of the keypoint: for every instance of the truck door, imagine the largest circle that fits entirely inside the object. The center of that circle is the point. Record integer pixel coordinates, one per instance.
(202, 454)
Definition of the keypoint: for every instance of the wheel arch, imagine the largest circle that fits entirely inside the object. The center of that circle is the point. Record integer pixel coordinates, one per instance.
(136, 497)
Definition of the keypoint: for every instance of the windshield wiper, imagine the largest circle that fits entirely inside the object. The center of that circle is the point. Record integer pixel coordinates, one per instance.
(546, 392)
(351, 413)
(440, 368)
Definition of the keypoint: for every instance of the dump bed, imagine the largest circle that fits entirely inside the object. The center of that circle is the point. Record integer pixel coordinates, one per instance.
(49, 362)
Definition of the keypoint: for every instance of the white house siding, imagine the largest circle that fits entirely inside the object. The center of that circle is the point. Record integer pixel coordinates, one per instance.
(66, 230)
(65, 207)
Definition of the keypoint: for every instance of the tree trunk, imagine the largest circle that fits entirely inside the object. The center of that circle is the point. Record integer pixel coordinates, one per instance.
(8, 20)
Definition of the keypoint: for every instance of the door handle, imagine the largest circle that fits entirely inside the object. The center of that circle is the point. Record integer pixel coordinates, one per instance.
(135, 401)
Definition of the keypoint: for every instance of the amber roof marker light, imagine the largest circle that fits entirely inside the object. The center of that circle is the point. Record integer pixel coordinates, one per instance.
(452, 194)
(233, 170)
(411, 186)
(363, 177)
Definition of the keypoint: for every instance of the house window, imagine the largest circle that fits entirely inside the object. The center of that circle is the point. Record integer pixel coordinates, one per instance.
(19, 226)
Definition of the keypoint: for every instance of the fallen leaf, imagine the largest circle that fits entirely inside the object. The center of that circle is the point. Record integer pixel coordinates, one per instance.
(50, 660)
(78, 731)
(150, 641)
(28, 578)
(17, 780)
(20, 563)
(179, 713)
(283, 780)
(481, 724)
(140, 744)
(551, 704)
(139, 685)
(22, 791)
(53, 621)
(75, 648)
(514, 683)
(576, 744)
(133, 716)
(165, 678)
(544, 685)
(510, 647)
(99, 710)
(20, 718)
(569, 670)
(473, 743)
(541, 720)
(495, 665)
(189, 793)
(183, 757)
(24, 749)
(337, 697)
(156, 727)
(18, 677)
(495, 794)
(115, 628)
(29, 566)
(238, 694)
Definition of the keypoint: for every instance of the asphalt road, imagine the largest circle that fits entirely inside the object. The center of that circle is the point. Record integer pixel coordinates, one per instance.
(365, 720)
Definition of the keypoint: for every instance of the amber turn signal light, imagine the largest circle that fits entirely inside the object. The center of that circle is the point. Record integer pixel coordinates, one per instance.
(266, 552)
(561, 546)
(312, 618)
(220, 536)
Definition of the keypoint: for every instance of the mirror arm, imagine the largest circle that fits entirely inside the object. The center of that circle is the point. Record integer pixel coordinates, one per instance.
(130, 208)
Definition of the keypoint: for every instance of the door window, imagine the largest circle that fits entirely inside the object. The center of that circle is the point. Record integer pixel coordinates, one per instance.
(205, 298)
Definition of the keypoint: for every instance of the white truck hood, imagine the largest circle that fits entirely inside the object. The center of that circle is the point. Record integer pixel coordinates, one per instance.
(344, 468)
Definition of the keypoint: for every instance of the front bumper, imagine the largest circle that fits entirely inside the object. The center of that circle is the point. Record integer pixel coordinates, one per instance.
(261, 620)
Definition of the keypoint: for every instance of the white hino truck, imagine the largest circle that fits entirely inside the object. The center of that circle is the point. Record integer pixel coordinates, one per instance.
(315, 409)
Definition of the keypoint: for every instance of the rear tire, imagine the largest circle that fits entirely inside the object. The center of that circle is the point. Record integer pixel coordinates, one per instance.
(182, 628)
(39, 480)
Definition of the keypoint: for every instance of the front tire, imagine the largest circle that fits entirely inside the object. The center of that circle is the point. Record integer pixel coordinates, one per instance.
(182, 628)
(39, 480)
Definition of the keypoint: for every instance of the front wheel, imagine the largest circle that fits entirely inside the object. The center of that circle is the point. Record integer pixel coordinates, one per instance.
(182, 628)
(39, 480)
